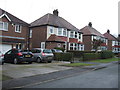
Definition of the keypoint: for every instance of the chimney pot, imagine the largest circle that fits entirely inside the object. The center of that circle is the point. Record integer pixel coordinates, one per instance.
(90, 24)
(108, 31)
(55, 12)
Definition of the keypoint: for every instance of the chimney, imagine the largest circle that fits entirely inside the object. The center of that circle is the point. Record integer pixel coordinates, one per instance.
(108, 31)
(55, 12)
(90, 24)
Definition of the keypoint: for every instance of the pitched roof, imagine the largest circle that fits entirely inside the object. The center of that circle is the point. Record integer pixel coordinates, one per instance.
(88, 30)
(13, 18)
(109, 36)
(53, 37)
(54, 20)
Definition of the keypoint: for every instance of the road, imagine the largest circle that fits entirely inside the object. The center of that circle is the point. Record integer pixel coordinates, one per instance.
(102, 78)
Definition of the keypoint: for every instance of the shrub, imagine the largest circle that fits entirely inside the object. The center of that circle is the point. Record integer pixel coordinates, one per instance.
(79, 54)
(106, 54)
(63, 56)
(91, 56)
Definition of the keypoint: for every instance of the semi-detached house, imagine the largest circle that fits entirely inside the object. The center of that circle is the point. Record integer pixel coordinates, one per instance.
(89, 34)
(13, 32)
(52, 31)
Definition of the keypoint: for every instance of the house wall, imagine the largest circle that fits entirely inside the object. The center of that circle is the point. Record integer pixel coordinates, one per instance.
(11, 33)
(109, 45)
(39, 34)
(87, 42)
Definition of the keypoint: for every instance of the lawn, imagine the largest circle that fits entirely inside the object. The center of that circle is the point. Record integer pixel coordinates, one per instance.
(78, 64)
(105, 60)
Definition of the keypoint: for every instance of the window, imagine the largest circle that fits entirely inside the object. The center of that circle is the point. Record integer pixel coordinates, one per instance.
(75, 34)
(79, 36)
(72, 34)
(43, 45)
(18, 28)
(59, 31)
(30, 33)
(59, 45)
(4, 26)
(51, 30)
(64, 32)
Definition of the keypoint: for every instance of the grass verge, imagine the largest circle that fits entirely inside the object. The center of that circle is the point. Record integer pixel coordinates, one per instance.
(78, 64)
(105, 60)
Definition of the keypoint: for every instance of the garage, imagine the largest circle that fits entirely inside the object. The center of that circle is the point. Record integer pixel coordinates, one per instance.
(5, 47)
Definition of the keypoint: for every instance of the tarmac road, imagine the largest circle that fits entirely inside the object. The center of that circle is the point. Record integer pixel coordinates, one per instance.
(102, 78)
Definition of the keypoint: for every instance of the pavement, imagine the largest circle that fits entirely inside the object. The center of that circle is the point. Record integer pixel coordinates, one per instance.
(37, 73)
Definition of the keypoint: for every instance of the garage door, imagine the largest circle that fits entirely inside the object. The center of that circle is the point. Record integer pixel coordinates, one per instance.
(5, 47)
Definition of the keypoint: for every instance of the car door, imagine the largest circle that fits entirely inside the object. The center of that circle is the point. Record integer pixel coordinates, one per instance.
(7, 56)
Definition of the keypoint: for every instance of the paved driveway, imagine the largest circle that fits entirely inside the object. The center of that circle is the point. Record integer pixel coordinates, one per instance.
(25, 70)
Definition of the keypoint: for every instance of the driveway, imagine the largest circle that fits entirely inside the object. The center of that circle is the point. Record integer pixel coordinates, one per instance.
(25, 70)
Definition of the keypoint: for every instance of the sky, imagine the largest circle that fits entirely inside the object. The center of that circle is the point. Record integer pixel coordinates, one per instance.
(102, 13)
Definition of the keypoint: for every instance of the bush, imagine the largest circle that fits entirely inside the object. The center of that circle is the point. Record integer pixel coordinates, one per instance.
(63, 56)
(106, 54)
(91, 56)
(79, 54)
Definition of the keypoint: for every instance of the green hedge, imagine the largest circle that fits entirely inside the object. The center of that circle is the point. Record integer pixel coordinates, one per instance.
(77, 54)
(91, 56)
(63, 56)
(107, 54)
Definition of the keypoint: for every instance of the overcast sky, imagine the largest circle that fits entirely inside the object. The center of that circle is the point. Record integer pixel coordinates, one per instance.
(102, 13)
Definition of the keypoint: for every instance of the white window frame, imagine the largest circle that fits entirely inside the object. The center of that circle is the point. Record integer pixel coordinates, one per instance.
(3, 26)
(30, 33)
(60, 34)
(72, 36)
(20, 28)
(51, 28)
(42, 45)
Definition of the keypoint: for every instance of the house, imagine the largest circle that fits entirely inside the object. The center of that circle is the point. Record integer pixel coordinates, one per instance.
(112, 42)
(52, 31)
(89, 34)
(13, 32)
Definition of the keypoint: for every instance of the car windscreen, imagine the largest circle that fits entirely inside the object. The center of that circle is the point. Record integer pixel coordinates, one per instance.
(58, 51)
(47, 51)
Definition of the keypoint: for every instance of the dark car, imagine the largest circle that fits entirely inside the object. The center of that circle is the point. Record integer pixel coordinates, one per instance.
(42, 55)
(57, 51)
(17, 56)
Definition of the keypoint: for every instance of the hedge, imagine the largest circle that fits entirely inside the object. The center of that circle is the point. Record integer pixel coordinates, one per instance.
(63, 56)
(77, 54)
(91, 56)
(107, 54)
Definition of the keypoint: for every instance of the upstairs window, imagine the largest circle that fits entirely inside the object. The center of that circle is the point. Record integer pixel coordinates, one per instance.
(4, 26)
(75, 34)
(64, 32)
(51, 30)
(72, 34)
(79, 36)
(59, 31)
(18, 28)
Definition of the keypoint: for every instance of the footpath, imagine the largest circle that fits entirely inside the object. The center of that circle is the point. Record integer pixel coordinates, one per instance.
(42, 78)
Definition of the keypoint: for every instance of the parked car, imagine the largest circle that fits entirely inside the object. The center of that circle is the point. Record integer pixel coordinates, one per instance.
(18, 56)
(1, 58)
(57, 51)
(42, 55)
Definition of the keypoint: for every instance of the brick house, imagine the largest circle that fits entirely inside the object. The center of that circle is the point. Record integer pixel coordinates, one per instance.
(89, 34)
(112, 42)
(13, 32)
(52, 31)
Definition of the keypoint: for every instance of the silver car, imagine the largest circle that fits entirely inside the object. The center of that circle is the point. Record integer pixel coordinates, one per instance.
(42, 55)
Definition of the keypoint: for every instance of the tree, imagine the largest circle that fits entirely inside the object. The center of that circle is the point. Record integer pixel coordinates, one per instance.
(96, 44)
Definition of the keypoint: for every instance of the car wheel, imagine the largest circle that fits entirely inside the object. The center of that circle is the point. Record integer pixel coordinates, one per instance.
(29, 62)
(38, 60)
(15, 61)
(49, 61)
